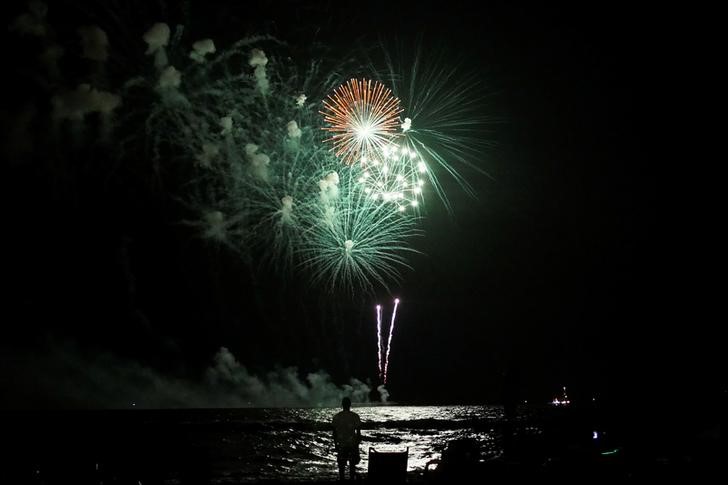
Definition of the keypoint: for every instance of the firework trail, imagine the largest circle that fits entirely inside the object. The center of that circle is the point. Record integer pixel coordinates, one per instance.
(383, 370)
(389, 341)
(379, 340)
(363, 117)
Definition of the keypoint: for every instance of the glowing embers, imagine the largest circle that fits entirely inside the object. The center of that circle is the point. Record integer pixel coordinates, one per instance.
(363, 117)
(396, 176)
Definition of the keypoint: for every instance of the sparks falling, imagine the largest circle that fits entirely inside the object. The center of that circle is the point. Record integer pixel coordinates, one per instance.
(383, 367)
(363, 117)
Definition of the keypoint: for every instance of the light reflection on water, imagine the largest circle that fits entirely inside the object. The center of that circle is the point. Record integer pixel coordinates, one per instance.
(296, 444)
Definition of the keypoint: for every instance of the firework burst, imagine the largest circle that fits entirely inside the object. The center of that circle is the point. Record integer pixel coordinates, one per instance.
(356, 241)
(396, 176)
(363, 118)
(261, 170)
(445, 122)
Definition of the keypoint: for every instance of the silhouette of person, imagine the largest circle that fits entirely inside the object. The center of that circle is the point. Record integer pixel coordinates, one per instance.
(347, 436)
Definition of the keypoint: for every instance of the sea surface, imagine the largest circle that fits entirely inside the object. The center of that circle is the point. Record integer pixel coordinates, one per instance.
(232, 445)
(227, 446)
(297, 444)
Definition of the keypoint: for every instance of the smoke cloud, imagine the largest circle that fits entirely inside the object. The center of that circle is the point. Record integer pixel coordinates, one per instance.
(67, 377)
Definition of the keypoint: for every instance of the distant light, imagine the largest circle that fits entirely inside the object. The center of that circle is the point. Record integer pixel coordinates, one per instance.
(595, 435)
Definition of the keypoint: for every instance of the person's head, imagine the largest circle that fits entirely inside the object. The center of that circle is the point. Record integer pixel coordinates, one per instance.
(346, 403)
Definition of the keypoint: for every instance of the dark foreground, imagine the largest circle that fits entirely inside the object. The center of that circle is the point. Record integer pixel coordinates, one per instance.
(572, 446)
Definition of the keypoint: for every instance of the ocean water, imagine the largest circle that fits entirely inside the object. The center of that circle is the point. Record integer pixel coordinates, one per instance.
(226, 446)
(297, 444)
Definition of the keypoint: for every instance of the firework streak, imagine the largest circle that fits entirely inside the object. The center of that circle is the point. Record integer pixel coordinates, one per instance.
(379, 340)
(383, 367)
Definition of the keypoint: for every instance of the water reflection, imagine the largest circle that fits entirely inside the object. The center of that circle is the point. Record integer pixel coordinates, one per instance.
(296, 444)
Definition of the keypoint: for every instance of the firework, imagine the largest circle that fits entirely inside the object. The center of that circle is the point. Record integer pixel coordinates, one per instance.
(355, 241)
(231, 128)
(384, 365)
(396, 176)
(379, 341)
(389, 340)
(363, 117)
(300, 213)
(445, 122)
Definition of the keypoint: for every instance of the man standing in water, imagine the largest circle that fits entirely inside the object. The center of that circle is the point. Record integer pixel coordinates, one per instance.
(347, 435)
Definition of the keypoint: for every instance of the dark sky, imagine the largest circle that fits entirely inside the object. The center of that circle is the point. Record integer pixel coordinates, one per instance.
(569, 263)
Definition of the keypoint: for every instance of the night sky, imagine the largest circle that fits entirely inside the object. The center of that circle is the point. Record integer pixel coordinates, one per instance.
(579, 261)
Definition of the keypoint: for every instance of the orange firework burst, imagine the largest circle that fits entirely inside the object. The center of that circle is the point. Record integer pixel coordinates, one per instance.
(362, 116)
